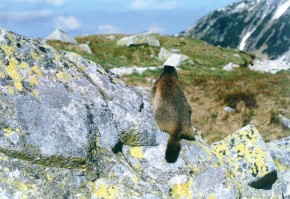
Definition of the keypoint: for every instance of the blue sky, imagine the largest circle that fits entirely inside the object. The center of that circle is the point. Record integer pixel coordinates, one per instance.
(38, 18)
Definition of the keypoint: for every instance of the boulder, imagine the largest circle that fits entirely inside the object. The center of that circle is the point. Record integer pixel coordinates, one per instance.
(173, 59)
(139, 39)
(284, 121)
(246, 155)
(85, 47)
(60, 35)
(70, 129)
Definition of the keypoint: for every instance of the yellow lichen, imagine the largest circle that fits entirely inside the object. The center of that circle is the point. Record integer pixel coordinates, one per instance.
(211, 196)
(199, 196)
(8, 50)
(3, 157)
(35, 93)
(136, 152)
(18, 85)
(220, 149)
(6, 169)
(63, 76)
(36, 71)
(57, 57)
(33, 81)
(24, 196)
(48, 176)
(10, 90)
(24, 65)
(104, 191)
(195, 170)
(12, 70)
(30, 188)
(137, 167)
(182, 190)
(34, 56)
(2, 75)
(280, 166)
(8, 132)
(103, 71)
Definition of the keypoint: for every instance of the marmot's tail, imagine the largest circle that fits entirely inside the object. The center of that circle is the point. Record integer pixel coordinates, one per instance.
(173, 149)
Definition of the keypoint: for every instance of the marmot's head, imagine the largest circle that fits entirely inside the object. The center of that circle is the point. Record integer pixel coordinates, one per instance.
(168, 70)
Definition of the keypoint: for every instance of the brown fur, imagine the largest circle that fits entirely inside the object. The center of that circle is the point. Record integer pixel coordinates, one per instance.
(172, 112)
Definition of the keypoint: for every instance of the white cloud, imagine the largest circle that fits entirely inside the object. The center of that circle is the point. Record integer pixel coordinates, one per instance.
(108, 29)
(25, 16)
(152, 4)
(54, 2)
(67, 23)
(156, 29)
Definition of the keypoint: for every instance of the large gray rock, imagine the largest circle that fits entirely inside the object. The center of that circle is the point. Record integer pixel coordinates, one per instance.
(69, 129)
(54, 103)
(139, 39)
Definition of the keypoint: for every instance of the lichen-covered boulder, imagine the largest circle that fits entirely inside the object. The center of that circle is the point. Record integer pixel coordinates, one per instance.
(247, 157)
(56, 107)
(139, 39)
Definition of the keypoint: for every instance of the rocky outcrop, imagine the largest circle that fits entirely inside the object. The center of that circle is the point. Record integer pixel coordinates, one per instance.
(62, 36)
(139, 39)
(70, 129)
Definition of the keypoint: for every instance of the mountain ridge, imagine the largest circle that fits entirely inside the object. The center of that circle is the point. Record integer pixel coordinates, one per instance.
(258, 26)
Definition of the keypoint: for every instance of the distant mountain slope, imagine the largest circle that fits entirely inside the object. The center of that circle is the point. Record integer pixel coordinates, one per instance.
(258, 26)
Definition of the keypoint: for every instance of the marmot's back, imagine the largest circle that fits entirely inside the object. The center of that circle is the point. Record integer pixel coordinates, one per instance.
(171, 110)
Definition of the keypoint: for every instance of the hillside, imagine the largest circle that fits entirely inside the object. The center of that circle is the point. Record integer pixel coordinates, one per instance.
(255, 97)
(257, 26)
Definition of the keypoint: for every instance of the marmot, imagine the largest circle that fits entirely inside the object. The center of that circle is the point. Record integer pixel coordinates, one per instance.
(172, 112)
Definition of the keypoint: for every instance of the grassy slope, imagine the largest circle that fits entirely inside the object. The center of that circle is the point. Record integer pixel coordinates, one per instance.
(256, 97)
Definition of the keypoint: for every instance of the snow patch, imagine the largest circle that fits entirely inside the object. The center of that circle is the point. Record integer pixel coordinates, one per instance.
(244, 40)
(270, 66)
(281, 10)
